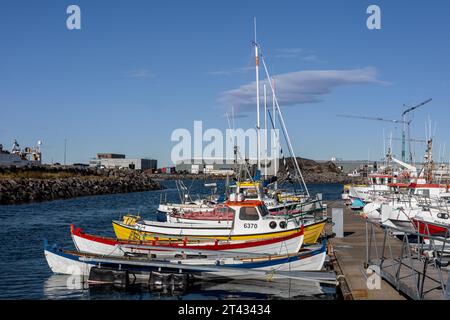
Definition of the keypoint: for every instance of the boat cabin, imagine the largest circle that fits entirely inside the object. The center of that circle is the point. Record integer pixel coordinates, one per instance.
(381, 179)
(428, 189)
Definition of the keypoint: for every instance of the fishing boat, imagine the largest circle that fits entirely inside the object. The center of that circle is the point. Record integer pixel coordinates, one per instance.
(105, 246)
(399, 209)
(127, 230)
(250, 267)
(251, 221)
(434, 228)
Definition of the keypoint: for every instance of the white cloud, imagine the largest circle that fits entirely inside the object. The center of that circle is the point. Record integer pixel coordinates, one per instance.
(299, 87)
(231, 71)
(288, 52)
(141, 73)
(311, 58)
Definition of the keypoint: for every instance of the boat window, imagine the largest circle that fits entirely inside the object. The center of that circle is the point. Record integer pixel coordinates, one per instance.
(389, 180)
(263, 210)
(248, 213)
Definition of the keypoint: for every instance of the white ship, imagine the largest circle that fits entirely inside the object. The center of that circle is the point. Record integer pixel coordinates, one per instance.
(20, 158)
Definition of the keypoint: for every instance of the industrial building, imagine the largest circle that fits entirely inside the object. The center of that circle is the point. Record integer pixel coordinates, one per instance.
(119, 161)
(215, 166)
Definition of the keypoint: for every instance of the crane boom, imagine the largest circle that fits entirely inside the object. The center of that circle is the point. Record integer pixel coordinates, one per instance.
(411, 140)
(370, 118)
(410, 109)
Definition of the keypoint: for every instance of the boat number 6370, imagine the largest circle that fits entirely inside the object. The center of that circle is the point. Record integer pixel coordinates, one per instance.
(250, 225)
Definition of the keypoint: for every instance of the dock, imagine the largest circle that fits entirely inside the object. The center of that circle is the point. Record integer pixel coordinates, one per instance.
(372, 264)
(348, 256)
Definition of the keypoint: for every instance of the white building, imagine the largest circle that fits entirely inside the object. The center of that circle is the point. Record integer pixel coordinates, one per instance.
(119, 161)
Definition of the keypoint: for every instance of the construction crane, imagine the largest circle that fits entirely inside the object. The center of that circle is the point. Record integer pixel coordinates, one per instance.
(406, 125)
(370, 118)
(404, 114)
(409, 140)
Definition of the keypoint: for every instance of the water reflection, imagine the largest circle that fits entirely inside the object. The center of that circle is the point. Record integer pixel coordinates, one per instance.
(61, 287)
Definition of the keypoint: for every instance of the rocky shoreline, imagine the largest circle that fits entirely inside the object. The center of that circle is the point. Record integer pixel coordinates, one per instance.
(45, 183)
(25, 185)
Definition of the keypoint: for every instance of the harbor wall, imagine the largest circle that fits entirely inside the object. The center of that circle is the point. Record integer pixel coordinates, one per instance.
(24, 185)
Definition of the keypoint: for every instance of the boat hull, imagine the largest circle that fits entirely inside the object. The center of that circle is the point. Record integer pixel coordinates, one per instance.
(78, 264)
(111, 247)
(125, 231)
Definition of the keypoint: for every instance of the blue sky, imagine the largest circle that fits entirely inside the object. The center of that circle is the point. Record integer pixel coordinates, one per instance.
(137, 70)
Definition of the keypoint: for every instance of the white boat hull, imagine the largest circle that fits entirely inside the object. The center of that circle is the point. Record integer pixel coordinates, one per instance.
(85, 245)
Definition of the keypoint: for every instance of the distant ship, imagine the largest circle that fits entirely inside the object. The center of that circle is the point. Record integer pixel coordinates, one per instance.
(21, 158)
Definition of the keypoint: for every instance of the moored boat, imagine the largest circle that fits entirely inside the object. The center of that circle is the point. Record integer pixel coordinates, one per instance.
(76, 263)
(127, 230)
(112, 247)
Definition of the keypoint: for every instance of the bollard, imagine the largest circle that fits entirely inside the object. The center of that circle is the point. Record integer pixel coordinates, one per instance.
(338, 222)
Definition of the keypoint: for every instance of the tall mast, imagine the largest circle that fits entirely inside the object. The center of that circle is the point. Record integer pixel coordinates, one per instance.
(275, 142)
(258, 122)
(265, 132)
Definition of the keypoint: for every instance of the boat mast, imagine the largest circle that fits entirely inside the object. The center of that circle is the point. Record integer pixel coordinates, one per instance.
(258, 124)
(265, 132)
(275, 142)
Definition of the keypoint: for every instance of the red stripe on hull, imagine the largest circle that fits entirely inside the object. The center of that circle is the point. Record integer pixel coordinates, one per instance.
(425, 228)
(215, 246)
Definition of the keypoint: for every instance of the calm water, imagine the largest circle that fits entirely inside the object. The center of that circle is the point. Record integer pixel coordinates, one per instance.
(24, 273)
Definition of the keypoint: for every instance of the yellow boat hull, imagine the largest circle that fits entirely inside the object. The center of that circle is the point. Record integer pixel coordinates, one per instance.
(127, 231)
(313, 231)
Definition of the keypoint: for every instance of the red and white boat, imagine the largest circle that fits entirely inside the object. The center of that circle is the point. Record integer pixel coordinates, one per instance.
(105, 246)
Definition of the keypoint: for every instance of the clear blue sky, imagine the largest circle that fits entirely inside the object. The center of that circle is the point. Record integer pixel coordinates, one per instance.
(139, 69)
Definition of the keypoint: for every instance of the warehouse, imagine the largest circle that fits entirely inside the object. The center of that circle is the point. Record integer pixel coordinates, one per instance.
(119, 161)
(214, 166)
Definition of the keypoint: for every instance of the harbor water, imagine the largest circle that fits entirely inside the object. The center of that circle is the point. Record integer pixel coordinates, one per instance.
(24, 273)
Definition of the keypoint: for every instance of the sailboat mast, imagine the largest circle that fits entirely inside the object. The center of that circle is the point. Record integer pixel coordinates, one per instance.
(275, 142)
(258, 122)
(265, 132)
